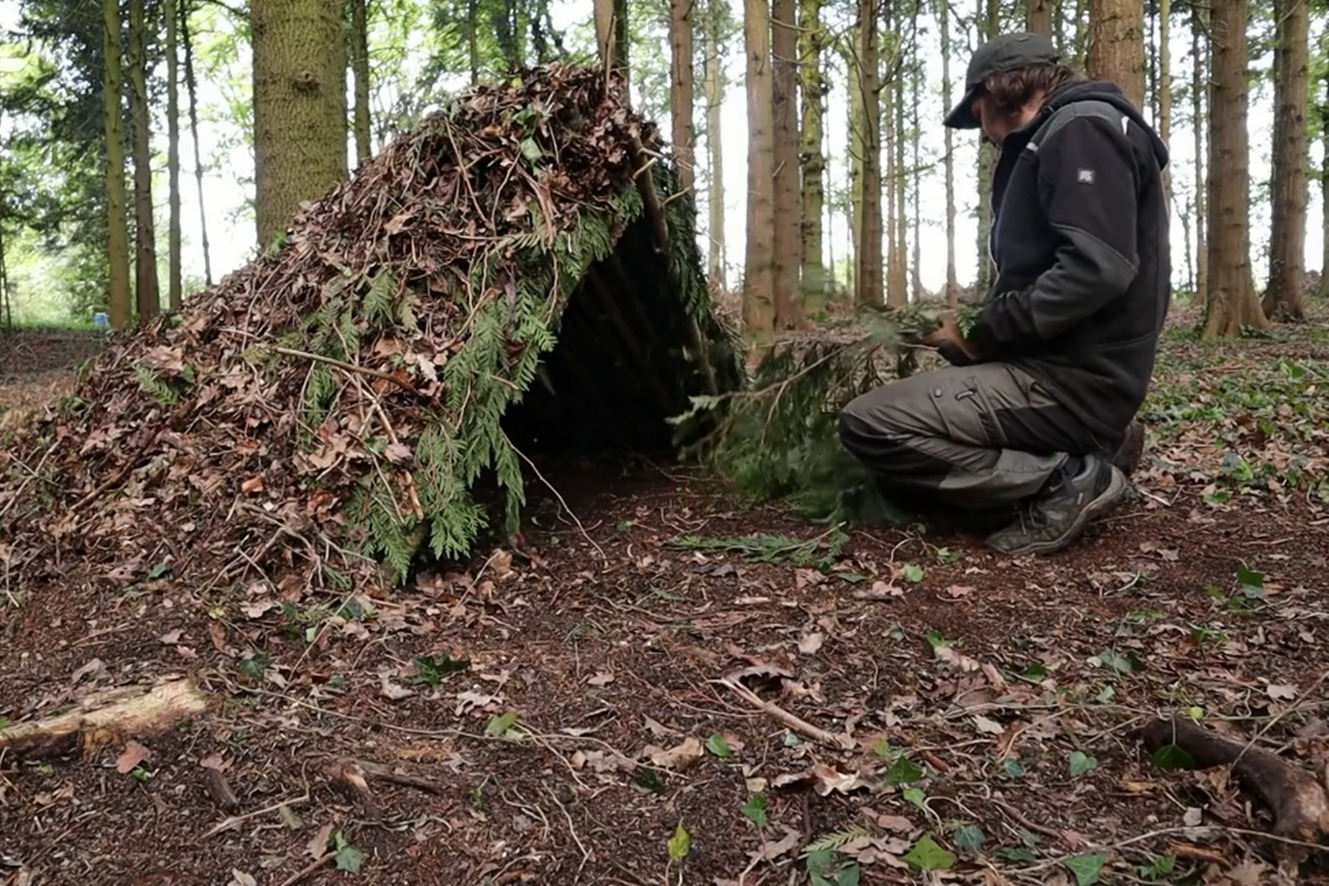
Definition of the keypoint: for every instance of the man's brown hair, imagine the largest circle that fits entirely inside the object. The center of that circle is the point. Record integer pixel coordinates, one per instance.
(1006, 93)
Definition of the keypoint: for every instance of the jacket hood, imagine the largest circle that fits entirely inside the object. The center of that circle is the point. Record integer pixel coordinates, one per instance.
(1105, 91)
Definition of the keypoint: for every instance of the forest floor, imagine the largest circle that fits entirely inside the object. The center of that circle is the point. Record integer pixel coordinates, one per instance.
(586, 709)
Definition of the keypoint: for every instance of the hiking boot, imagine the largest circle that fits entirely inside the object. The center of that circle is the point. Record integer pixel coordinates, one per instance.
(1056, 517)
(1127, 456)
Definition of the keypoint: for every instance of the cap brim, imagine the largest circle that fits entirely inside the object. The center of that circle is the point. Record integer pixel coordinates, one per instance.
(962, 115)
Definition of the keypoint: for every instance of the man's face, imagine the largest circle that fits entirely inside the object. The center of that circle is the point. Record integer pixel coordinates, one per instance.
(996, 126)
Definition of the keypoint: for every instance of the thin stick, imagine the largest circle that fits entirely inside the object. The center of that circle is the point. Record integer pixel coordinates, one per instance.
(234, 820)
(308, 869)
(558, 495)
(795, 723)
(349, 367)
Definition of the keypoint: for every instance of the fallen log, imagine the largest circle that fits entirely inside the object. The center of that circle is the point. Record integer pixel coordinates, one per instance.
(1298, 802)
(105, 717)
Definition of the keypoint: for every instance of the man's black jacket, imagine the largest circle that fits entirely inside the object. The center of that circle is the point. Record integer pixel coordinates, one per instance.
(1080, 241)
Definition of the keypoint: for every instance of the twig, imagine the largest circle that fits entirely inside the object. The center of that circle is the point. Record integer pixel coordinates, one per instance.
(794, 722)
(308, 869)
(585, 854)
(558, 495)
(1027, 824)
(349, 367)
(388, 774)
(234, 820)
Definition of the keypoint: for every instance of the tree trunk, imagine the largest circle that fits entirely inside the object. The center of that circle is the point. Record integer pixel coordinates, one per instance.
(715, 89)
(811, 159)
(868, 257)
(784, 51)
(895, 295)
(1283, 298)
(900, 271)
(1038, 17)
(299, 107)
(359, 49)
(470, 29)
(681, 88)
(1165, 87)
(1116, 45)
(1232, 305)
(611, 34)
(759, 260)
(147, 295)
(191, 86)
(947, 99)
(117, 241)
(1079, 49)
(988, 23)
(1324, 188)
(915, 178)
(857, 148)
(1200, 101)
(174, 271)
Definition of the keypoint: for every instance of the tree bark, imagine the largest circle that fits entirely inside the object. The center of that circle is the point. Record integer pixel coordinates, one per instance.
(1165, 87)
(915, 192)
(191, 86)
(299, 107)
(890, 179)
(174, 271)
(988, 23)
(1283, 297)
(759, 260)
(812, 39)
(147, 295)
(715, 88)
(900, 267)
(611, 34)
(948, 161)
(359, 50)
(857, 148)
(681, 87)
(1116, 45)
(1324, 187)
(784, 51)
(1232, 306)
(117, 224)
(1200, 100)
(867, 256)
(1038, 17)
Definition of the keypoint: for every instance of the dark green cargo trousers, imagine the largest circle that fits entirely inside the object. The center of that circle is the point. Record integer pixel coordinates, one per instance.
(970, 437)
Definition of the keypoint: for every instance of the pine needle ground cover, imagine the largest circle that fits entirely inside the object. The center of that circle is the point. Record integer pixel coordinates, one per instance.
(506, 276)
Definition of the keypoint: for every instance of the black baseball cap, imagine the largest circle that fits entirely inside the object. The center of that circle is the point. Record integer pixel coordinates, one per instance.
(997, 56)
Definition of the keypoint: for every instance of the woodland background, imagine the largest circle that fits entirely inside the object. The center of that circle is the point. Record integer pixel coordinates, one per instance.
(817, 120)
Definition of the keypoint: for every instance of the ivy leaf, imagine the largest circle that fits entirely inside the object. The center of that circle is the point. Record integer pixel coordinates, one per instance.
(929, 855)
(348, 857)
(1170, 757)
(969, 837)
(1086, 868)
(718, 745)
(911, 572)
(755, 810)
(1082, 763)
(500, 725)
(680, 844)
(902, 771)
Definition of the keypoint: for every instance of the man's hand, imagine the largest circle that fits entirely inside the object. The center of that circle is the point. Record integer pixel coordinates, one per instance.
(949, 333)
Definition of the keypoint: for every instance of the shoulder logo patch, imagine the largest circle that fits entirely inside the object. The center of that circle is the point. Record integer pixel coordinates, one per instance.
(1085, 176)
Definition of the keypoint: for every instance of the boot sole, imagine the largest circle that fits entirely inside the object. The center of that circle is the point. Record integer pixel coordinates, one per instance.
(1107, 499)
